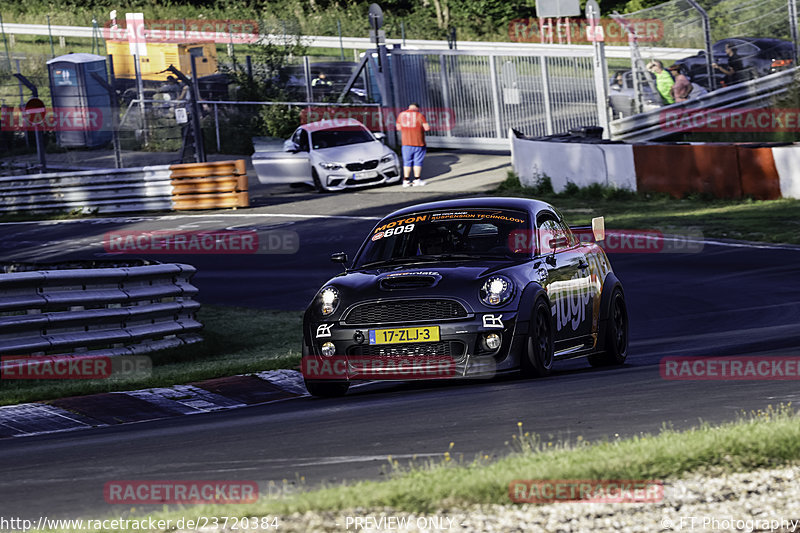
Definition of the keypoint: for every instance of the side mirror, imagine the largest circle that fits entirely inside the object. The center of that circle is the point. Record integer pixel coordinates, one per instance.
(599, 228)
(558, 242)
(380, 136)
(290, 146)
(339, 257)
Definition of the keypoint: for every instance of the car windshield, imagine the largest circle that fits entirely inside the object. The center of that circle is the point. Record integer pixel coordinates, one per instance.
(340, 137)
(463, 234)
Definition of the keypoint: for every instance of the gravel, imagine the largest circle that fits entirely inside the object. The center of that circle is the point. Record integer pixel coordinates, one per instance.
(762, 500)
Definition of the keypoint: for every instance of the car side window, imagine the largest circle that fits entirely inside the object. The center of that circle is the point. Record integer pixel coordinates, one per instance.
(552, 234)
(301, 139)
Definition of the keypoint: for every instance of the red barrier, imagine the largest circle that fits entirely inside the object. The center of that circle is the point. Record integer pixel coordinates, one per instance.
(680, 169)
(758, 174)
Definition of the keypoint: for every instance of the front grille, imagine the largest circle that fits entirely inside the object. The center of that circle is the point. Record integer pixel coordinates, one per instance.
(405, 311)
(454, 349)
(366, 165)
(364, 181)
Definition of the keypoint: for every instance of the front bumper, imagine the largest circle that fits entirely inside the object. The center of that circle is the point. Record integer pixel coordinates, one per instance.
(341, 179)
(460, 351)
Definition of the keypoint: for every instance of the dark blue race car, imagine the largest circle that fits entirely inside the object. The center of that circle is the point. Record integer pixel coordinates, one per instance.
(465, 288)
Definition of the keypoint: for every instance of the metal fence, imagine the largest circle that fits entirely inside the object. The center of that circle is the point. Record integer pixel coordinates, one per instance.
(537, 92)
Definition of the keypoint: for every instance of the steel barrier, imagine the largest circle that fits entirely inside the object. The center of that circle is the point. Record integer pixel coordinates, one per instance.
(364, 43)
(114, 310)
(220, 184)
(755, 93)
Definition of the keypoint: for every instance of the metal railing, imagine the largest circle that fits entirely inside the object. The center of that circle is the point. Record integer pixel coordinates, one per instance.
(363, 43)
(210, 185)
(119, 309)
(750, 94)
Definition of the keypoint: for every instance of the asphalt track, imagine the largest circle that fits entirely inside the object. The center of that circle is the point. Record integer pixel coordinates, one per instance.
(726, 300)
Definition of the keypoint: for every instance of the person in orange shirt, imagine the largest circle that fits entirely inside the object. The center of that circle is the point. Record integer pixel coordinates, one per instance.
(412, 125)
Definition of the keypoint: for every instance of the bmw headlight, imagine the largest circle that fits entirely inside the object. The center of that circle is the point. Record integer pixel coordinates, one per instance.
(331, 166)
(387, 159)
(329, 300)
(497, 290)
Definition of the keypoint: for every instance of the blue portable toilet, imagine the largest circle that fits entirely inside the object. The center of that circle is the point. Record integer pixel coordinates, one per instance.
(82, 107)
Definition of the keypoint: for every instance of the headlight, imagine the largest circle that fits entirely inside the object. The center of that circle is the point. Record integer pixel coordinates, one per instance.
(497, 290)
(329, 300)
(387, 159)
(331, 166)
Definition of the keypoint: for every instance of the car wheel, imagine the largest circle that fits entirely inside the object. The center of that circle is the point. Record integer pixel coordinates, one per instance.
(616, 347)
(537, 361)
(317, 182)
(327, 389)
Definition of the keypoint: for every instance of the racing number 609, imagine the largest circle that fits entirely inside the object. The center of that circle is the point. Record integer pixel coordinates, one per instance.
(399, 229)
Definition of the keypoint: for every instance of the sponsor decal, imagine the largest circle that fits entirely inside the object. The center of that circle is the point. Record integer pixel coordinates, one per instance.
(377, 236)
(412, 273)
(586, 490)
(477, 215)
(569, 298)
(401, 222)
(324, 330)
(740, 368)
(493, 321)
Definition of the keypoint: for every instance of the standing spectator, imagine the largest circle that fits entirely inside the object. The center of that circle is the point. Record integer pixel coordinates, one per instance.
(683, 87)
(412, 124)
(734, 71)
(664, 81)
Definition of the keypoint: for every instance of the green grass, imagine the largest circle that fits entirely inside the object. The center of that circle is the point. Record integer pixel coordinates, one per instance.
(236, 341)
(767, 438)
(776, 221)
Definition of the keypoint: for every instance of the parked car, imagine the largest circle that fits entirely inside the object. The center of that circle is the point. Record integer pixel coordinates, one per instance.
(465, 288)
(760, 57)
(330, 155)
(622, 98)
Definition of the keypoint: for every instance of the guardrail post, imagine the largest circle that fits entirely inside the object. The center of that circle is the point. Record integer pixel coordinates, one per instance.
(199, 148)
(445, 87)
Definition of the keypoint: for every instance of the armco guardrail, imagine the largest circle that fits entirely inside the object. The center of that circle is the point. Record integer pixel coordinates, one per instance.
(753, 93)
(363, 43)
(114, 310)
(220, 184)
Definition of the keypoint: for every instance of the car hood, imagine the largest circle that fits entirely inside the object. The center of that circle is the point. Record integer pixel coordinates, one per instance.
(351, 152)
(454, 279)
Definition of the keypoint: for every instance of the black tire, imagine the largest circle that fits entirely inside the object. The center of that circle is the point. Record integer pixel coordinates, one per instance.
(537, 358)
(317, 183)
(616, 341)
(327, 389)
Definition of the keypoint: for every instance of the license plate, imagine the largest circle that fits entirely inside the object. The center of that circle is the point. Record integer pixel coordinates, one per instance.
(403, 335)
(365, 174)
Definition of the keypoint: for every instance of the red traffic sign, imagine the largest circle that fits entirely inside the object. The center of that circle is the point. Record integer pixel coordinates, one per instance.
(34, 110)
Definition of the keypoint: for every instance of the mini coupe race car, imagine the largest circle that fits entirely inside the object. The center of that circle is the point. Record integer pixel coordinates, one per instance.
(465, 288)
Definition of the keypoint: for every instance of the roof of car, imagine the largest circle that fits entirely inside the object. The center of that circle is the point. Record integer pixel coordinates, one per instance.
(525, 204)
